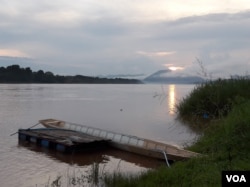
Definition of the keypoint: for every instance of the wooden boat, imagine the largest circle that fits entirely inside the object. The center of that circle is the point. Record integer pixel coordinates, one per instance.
(124, 142)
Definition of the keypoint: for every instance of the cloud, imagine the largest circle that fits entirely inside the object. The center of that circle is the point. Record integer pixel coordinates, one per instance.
(94, 38)
(156, 54)
(217, 43)
(12, 53)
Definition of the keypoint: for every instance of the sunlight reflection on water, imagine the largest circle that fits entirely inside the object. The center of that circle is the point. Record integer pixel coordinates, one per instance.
(171, 99)
(143, 115)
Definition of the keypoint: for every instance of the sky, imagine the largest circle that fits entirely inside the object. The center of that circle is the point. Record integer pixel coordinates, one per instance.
(126, 37)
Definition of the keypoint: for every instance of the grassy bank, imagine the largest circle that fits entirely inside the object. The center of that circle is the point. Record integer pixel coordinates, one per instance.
(225, 104)
(214, 99)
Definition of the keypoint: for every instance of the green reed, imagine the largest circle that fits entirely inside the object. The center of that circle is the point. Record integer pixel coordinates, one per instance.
(224, 142)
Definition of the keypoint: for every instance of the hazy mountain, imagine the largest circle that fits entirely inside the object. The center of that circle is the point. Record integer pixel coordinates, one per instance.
(171, 77)
(128, 76)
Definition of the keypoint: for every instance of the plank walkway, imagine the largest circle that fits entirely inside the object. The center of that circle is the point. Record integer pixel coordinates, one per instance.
(62, 140)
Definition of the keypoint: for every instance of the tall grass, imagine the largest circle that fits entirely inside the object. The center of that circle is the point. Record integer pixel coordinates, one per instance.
(229, 139)
(214, 99)
(76, 178)
(224, 143)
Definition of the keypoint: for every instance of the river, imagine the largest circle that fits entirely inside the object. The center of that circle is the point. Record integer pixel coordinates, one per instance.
(144, 110)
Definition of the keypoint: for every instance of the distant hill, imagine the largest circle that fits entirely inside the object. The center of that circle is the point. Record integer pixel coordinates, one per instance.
(125, 76)
(16, 74)
(167, 76)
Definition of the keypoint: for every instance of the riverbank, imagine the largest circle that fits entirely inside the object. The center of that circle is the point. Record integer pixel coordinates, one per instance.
(15, 74)
(225, 107)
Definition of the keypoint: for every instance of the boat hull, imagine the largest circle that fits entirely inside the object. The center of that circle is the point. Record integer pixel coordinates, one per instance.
(128, 143)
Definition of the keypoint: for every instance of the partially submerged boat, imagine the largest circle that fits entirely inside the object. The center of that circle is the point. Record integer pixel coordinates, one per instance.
(62, 140)
(124, 142)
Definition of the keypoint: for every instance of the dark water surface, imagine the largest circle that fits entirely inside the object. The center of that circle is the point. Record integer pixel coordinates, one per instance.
(144, 110)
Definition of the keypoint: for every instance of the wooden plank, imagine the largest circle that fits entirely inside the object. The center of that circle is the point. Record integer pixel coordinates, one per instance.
(61, 140)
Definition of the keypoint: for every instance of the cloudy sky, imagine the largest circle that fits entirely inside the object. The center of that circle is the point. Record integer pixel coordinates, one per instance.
(108, 37)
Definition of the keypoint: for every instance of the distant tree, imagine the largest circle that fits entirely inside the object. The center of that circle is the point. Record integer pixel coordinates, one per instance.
(60, 79)
(15, 74)
(49, 77)
(38, 76)
(13, 68)
(2, 74)
(28, 71)
(28, 75)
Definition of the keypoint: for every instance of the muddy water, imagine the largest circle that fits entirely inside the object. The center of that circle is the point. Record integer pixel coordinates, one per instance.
(142, 110)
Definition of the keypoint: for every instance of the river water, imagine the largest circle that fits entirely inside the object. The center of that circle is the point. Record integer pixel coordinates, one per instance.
(144, 110)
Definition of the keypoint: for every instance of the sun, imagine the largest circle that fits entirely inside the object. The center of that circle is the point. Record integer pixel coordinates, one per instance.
(173, 68)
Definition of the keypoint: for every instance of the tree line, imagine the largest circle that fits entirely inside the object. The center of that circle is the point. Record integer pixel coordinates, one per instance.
(17, 74)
